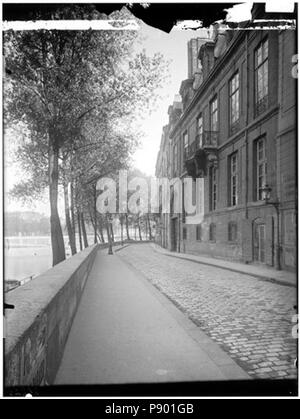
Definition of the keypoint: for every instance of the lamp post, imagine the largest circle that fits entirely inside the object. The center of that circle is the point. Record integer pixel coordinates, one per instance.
(122, 222)
(110, 252)
(266, 196)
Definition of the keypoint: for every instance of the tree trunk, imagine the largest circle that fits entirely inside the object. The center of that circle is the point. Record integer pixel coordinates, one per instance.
(149, 225)
(112, 232)
(79, 229)
(95, 215)
(100, 229)
(94, 227)
(85, 240)
(71, 233)
(73, 211)
(94, 223)
(57, 239)
(122, 235)
(95, 233)
(139, 228)
(146, 227)
(108, 231)
(127, 226)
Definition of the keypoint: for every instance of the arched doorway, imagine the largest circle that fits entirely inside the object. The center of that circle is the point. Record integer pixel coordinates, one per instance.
(259, 241)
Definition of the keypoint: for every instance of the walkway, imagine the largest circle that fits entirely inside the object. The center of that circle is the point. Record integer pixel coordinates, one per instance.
(251, 319)
(126, 331)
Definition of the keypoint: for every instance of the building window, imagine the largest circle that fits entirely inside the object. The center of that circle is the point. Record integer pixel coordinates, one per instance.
(212, 232)
(261, 167)
(185, 145)
(214, 114)
(261, 77)
(175, 158)
(233, 179)
(232, 232)
(184, 233)
(199, 233)
(234, 102)
(212, 188)
(200, 131)
(172, 200)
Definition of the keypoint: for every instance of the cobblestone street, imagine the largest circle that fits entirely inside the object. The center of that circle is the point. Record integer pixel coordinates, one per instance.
(249, 318)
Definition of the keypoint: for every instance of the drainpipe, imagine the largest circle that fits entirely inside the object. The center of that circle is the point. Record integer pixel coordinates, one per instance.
(246, 131)
(278, 243)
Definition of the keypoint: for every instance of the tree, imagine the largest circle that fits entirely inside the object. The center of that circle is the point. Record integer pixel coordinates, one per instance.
(62, 82)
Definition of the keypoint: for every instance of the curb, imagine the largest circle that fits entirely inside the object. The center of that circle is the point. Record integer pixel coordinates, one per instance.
(228, 366)
(257, 276)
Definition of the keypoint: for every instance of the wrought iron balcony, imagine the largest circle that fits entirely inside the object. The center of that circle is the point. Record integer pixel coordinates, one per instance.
(207, 141)
(200, 152)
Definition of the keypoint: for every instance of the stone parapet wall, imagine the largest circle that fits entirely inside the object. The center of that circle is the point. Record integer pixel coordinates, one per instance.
(37, 329)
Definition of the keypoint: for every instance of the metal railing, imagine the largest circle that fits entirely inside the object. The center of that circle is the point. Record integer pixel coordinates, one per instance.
(208, 139)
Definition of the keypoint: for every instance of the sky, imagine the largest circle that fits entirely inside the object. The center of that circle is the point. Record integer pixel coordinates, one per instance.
(173, 46)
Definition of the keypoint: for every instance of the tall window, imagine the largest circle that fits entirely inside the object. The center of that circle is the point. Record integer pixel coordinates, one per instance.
(233, 179)
(234, 101)
(261, 167)
(171, 200)
(175, 157)
(214, 114)
(261, 77)
(185, 144)
(213, 188)
(200, 131)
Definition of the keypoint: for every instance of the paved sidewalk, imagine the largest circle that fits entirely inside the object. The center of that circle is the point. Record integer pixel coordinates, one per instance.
(251, 319)
(126, 331)
(260, 272)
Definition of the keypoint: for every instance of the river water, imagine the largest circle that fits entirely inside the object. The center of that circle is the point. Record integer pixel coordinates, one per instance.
(29, 256)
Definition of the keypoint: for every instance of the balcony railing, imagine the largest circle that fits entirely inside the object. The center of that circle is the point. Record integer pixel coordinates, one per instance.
(208, 140)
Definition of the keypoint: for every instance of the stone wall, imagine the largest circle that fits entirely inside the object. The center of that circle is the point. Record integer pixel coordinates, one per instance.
(37, 329)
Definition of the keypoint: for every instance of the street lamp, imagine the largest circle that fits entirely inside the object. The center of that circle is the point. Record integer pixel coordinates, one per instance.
(110, 252)
(266, 196)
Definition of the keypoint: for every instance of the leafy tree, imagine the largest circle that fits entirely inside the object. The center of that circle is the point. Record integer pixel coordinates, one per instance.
(62, 83)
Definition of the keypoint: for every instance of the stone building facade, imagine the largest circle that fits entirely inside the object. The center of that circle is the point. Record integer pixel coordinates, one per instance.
(237, 131)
